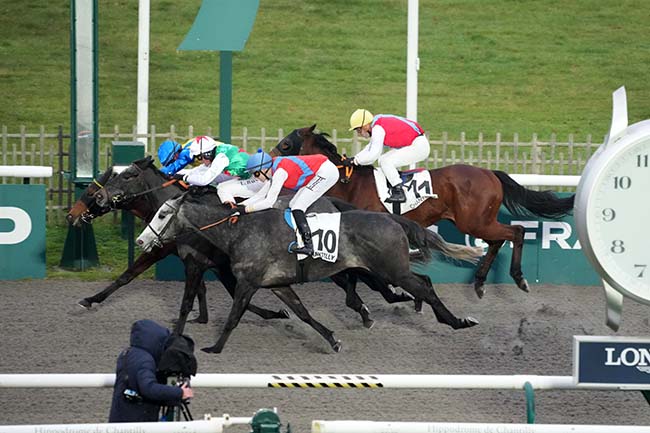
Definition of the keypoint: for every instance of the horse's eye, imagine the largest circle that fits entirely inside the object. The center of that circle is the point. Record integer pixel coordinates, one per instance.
(284, 145)
(161, 216)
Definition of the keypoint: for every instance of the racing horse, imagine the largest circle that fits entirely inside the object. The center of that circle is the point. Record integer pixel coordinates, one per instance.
(142, 183)
(468, 196)
(87, 208)
(257, 246)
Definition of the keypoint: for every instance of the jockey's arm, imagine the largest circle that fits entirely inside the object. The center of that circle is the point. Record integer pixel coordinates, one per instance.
(175, 166)
(205, 177)
(372, 151)
(271, 195)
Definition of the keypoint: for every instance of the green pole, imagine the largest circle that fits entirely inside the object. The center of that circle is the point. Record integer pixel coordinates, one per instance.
(225, 96)
(530, 403)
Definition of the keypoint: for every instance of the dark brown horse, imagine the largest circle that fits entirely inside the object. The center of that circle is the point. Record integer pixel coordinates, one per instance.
(468, 196)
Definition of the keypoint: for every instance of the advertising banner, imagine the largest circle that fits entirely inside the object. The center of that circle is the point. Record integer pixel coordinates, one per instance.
(22, 231)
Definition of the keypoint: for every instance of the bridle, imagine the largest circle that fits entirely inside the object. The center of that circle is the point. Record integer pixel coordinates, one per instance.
(158, 241)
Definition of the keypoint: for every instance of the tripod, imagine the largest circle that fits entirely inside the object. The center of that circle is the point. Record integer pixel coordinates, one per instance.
(173, 413)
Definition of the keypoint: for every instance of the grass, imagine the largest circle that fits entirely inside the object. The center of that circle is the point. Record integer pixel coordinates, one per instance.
(509, 66)
(486, 65)
(112, 250)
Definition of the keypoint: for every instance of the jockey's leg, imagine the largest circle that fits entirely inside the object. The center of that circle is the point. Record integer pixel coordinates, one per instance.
(417, 151)
(325, 178)
(239, 188)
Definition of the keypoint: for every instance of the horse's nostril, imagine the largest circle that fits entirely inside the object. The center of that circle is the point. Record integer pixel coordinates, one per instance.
(139, 241)
(69, 218)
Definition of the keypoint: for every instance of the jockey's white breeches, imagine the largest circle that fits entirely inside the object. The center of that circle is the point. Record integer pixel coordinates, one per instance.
(325, 178)
(240, 188)
(417, 151)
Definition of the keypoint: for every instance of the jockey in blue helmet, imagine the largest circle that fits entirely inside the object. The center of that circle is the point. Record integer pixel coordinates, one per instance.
(174, 156)
(310, 176)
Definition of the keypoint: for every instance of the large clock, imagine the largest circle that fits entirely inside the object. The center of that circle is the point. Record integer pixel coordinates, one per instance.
(612, 211)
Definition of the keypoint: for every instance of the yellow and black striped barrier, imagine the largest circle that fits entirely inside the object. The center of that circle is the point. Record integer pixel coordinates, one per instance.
(324, 381)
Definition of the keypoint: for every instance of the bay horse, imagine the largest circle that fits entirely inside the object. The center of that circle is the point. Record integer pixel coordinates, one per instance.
(257, 246)
(468, 196)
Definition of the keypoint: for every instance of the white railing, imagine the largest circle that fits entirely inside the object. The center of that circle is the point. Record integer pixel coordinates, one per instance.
(208, 425)
(464, 427)
(25, 171)
(208, 380)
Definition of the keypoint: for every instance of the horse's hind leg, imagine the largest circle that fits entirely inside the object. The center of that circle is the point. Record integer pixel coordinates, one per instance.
(421, 288)
(484, 267)
(515, 263)
(348, 282)
(241, 299)
(289, 297)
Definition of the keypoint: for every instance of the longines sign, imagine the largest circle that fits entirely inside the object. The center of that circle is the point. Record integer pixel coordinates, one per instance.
(619, 362)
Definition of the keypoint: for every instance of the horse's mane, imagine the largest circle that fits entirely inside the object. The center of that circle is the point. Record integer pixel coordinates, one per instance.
(330, 150)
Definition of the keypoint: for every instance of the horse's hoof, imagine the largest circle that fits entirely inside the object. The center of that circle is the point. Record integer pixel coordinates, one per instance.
(418, 306)
(469, 321)
(211, 349)
(85, 303)
(199, 319)
(523, 285)
(337, 346)
(480, 290)
(283, 314)
(369, 323)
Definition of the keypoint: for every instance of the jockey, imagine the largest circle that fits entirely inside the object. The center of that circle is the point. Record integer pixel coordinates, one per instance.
(310, 175)
(174, 156)
(221, 162)
(405, 137)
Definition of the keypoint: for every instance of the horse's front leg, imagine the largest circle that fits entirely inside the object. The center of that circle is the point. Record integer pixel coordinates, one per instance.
(242, 297)
(141, 264)
(230, 282)
(193, 279)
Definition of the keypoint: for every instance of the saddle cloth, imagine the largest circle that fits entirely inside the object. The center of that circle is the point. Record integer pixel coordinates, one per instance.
(325, 229)
(417, 188)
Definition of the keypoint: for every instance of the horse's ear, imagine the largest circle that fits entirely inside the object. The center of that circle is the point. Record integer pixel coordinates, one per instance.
(312, 127)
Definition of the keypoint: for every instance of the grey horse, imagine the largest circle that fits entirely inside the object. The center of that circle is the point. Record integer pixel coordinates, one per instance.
(257, 246)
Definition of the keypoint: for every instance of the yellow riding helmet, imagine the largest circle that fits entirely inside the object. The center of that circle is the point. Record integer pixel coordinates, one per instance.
(359, 118)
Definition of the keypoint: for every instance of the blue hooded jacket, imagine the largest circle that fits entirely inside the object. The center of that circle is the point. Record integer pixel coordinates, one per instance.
(136, 370)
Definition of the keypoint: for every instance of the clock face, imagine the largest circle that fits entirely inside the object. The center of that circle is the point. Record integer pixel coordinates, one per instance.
(618, 218)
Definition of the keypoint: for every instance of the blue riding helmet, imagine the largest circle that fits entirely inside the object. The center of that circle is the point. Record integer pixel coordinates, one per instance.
(167, 150)
(260, 160)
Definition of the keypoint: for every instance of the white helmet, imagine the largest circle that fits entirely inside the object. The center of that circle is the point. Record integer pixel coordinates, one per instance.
(202, 144)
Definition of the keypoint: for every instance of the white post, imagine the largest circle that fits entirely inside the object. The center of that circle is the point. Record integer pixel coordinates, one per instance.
(412, 63)
(143, 70)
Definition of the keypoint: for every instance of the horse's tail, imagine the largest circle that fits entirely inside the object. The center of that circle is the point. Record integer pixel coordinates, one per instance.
(426, 241)
(521, 201)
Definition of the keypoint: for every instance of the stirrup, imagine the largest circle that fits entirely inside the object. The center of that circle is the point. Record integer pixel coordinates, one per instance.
(295, 249)
(396, 197)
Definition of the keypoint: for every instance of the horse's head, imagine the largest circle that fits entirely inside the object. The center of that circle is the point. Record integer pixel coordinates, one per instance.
(162, 228)
(126, 185)
(86, 208)
(292, 144)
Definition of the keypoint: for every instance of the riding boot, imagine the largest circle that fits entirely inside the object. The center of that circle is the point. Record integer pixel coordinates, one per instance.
(305, 232)
(396, 194)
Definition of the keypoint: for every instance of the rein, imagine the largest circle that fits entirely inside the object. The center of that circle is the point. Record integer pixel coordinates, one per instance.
(147, 191)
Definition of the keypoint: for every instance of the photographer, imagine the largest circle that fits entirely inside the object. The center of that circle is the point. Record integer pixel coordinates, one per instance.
(138, 393)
